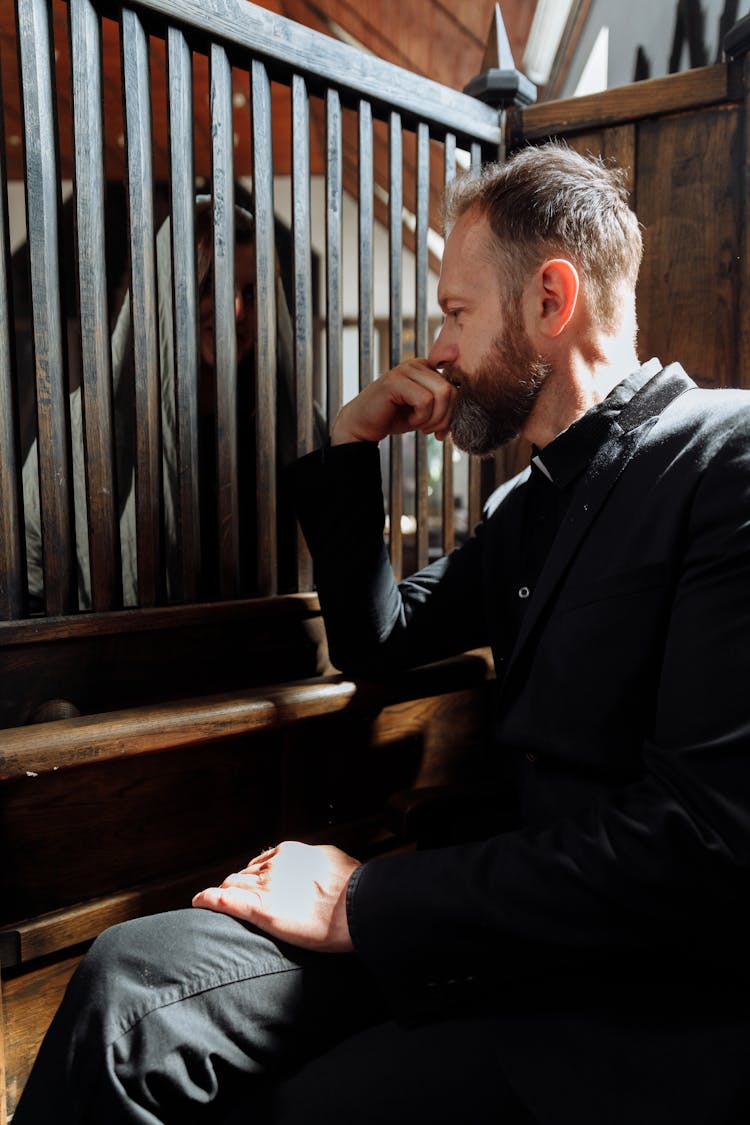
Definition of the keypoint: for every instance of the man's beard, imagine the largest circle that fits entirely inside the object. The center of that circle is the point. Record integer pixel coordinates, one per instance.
(496, 400)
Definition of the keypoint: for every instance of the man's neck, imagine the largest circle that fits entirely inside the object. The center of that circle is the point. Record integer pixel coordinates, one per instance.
(580, 383)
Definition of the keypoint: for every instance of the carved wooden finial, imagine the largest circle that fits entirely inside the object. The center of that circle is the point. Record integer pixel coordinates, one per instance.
(500, 82)
(498, 54)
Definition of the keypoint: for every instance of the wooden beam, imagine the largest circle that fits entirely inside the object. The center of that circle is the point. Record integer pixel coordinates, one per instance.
(711, 85)
(27, 752)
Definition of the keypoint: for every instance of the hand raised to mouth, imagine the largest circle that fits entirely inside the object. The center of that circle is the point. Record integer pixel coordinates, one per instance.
(411, 396)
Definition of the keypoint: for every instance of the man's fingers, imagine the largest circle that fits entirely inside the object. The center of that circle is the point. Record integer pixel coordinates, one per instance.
(263, 857)
(431, 397)
(240, 902)
(411, 396)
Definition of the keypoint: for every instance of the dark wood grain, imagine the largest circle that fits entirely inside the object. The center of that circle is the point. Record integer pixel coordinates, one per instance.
(265, 342)
(143, 293)
(3, 1071)
(29, 1004)
(302, 264)
(449, 527)
(475, 466)
(36, 54)
(303, 304)
(420, 335)
(31, 751)
(185, 302)
(395, 330)
(88, 131)
(690, 194)
(743, 356)
(12, 585)
(655, 97)
(334, 238)
(365, 202)
(225, 335)
(107, 662)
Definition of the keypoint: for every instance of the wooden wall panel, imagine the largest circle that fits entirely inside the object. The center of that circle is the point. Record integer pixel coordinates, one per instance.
(686, 177)
(690, 202)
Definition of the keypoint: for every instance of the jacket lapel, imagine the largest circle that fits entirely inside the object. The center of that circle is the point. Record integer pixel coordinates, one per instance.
(608, 464)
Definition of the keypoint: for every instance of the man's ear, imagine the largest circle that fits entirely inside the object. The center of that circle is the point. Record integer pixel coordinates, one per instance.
(553, 295)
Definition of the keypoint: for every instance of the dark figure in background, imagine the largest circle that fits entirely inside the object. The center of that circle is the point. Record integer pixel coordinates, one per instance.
(124, 410)
(582, 959)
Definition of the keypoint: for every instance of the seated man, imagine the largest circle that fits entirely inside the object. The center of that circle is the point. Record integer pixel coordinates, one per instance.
(586, 962)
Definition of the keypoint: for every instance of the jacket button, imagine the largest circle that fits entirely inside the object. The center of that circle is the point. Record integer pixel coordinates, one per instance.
(524, 592)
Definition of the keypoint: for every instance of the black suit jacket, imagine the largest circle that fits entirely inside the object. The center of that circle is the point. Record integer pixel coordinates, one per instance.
(605, 927)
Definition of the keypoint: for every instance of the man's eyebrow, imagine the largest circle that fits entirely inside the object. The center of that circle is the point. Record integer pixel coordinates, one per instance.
(449, 298)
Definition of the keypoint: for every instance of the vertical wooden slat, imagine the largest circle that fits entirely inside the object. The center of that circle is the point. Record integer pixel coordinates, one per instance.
(42, 208)
(12, 601)
(742, 174)
(334, 219)
(475, 464)
(3, 1082)
(144, 307)
(185, 299)
(302, 265)
(265, 330)
(449, 528)
(395, 235)
(420, 334)
(225, 337)
(366, 220)
(88, 142)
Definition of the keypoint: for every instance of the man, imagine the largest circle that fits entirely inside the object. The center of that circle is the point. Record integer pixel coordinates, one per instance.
(584, 961)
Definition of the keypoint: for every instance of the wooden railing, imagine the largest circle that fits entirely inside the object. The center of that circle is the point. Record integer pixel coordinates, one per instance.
(388, 135)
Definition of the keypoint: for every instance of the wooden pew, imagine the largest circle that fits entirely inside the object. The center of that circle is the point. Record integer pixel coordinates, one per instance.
(114, 815)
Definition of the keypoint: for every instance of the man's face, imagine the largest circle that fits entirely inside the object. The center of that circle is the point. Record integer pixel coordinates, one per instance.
(483, 347)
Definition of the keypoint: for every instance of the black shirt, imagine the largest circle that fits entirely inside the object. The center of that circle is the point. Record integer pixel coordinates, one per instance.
(534, 512)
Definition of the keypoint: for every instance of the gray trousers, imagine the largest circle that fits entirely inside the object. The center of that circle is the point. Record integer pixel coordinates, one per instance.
(193, 1016)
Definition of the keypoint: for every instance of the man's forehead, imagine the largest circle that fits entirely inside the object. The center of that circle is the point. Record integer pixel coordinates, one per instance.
(467, 259)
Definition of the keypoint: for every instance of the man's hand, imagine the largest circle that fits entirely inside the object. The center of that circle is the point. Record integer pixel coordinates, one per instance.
(294, 892)
(412, 396)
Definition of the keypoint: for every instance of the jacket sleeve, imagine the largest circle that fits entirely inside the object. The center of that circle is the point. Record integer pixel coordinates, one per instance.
(376, 626)
(661, 864)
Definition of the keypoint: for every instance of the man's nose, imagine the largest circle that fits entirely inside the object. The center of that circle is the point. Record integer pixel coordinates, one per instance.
(444, 349)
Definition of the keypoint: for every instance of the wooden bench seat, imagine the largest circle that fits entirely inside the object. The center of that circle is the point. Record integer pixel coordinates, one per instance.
(114, 815)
